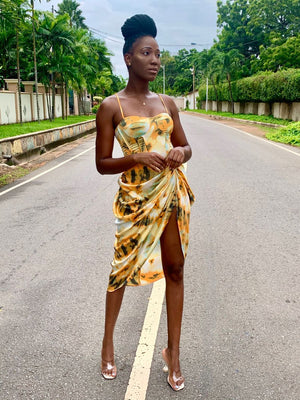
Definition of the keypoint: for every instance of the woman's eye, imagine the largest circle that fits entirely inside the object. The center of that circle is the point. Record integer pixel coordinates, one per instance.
(158, 55)
(146, 53)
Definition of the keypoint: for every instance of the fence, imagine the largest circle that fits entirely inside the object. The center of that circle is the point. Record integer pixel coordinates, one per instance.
(9, 103)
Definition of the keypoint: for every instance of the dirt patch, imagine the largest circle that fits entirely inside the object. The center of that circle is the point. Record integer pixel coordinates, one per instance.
(248, 127)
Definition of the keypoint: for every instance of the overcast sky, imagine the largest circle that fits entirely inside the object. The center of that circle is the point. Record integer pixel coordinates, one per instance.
(179, 23)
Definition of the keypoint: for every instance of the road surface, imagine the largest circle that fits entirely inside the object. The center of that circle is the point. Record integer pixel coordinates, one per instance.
(240, 336)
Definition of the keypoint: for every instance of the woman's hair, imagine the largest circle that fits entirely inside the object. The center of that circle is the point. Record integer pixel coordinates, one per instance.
(135, 27)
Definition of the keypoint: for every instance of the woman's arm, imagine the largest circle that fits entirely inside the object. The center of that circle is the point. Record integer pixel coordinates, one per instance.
(105, 163)
(181, 151)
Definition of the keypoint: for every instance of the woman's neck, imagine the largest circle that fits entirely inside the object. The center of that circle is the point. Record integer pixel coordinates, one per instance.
(137, 87)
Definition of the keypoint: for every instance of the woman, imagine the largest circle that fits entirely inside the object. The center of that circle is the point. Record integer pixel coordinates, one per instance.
(152, 205)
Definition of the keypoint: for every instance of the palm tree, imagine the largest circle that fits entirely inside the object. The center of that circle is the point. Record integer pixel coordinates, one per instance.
(7, 39)
(57, 42)
(33, 21)
(70, 7)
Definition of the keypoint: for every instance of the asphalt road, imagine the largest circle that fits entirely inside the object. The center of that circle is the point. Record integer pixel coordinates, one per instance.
(240, 337)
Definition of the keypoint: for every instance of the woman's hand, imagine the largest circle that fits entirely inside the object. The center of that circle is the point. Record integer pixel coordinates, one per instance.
(152, 160)
(175, 157)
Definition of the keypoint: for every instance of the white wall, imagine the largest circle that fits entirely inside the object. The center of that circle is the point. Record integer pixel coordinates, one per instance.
(7, 108)
(58, 109)
(41, 106)
(190, 99)
(26, 107)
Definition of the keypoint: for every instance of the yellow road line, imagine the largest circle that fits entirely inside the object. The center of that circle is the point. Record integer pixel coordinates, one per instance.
(138, 382)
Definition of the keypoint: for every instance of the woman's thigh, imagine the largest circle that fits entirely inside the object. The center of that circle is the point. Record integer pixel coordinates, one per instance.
(171, 251)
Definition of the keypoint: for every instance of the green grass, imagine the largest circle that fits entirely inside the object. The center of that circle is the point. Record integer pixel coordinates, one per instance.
(251, 117)
(29, 127)
(12, 175)
(288, 135)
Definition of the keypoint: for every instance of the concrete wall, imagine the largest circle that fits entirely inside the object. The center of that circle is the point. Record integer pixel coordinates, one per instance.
(180, 102)
(278, 110)
(264, 109)
(26, 146)
(26, 107)
(8, 109)
(9, 103)
(41, 107)
(295, 111)
(190, 98)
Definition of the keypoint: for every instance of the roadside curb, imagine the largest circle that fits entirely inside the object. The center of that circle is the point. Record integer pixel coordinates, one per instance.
(29, 145)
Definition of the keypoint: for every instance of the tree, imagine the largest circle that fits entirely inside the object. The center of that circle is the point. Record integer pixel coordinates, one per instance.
(234, 20)
(275, 18)
(56, 42)
(12, 16)
(7, 39)
(277, 56)
(70, 7)
(231, 63)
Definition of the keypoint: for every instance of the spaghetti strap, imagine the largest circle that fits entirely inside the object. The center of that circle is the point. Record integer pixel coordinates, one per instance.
(121, 109)
(162, 100)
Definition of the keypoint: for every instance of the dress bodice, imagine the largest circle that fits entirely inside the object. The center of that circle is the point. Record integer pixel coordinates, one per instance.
(141, 134)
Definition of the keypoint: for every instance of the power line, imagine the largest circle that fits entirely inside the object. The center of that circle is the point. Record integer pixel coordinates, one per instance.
(108, 36)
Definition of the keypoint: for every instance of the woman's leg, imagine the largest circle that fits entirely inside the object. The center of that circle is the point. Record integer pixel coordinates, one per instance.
(173, 261)
(113, 305)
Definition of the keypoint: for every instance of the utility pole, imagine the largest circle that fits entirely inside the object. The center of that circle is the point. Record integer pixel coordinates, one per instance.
(193, 72)
(164, 78)
(206, 98)
(34, 62)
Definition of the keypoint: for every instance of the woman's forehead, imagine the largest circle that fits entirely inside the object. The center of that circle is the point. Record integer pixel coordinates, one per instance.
(145, 42)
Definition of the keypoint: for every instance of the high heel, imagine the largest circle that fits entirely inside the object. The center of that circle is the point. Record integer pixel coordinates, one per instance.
(176, 383)
(108, 369)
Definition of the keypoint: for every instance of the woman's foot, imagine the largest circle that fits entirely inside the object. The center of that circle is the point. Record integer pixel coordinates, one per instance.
(108, 368)
(174, 379)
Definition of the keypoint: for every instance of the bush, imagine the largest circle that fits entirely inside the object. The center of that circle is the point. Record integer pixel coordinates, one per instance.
(290, 134)
(95, 108)
(265, 86)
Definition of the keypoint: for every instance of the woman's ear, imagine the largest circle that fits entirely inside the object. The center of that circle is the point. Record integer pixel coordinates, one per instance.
(127, 59)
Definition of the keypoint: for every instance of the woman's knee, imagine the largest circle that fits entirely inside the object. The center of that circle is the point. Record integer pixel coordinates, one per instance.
(174, 271)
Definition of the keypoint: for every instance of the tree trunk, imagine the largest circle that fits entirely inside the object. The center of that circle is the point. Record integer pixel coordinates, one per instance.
(48, 102)
(62, 100)
(230, 91)
(34, 63)
(19, 74)
(53, 101)
(214, 86)
(66, 101)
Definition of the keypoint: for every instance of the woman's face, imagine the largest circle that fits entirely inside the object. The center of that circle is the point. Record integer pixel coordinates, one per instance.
(144, 58)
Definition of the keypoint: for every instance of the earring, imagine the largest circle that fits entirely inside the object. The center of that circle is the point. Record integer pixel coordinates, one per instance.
(129, 64)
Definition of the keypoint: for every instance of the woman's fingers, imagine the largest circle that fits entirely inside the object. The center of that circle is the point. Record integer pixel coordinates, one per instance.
(152, 160)
(158, 162)
(175, 157)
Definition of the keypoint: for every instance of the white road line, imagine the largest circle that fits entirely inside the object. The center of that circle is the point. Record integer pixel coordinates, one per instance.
(256, 137)
(45, 172)
(138, 382)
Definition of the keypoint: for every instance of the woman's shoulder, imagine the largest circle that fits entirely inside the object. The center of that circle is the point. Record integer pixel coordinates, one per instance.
(110, 101)
(109, 105)
(169, 102)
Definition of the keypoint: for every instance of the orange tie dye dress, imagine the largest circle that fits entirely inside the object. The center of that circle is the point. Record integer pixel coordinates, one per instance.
(144, 202)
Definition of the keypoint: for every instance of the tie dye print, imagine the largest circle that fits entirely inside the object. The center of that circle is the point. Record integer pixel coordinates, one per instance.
(144, 203)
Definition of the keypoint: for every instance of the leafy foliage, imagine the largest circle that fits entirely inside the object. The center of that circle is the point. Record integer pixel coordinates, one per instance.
(283, 85)
(67, 52)
(289, 135)
(71, 8)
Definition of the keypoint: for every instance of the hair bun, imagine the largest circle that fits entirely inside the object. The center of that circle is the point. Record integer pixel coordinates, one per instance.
(139, 23)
